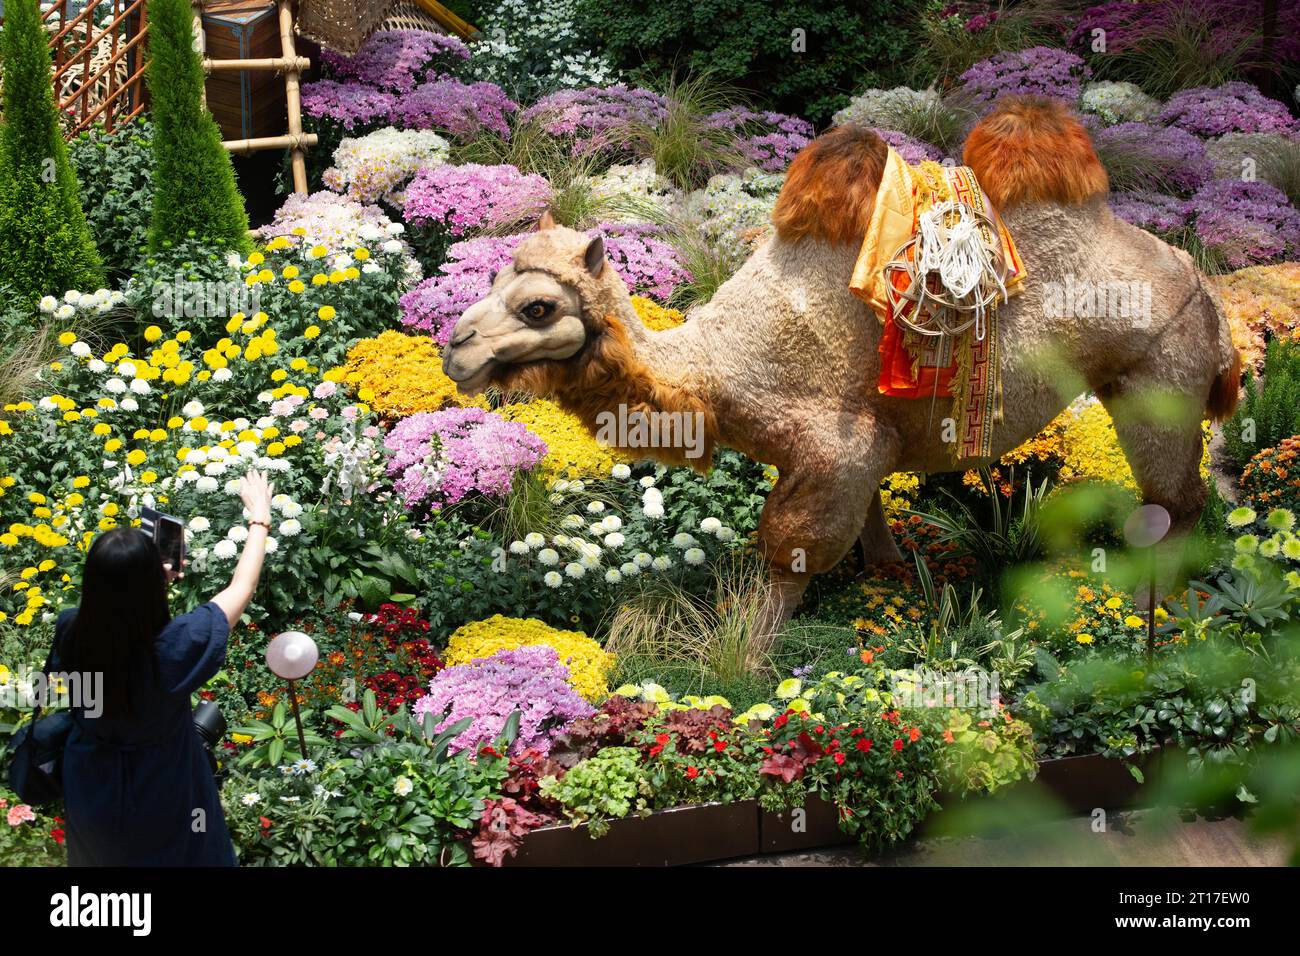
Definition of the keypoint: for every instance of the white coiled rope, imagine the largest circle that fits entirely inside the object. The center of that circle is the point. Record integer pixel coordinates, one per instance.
(950, 243)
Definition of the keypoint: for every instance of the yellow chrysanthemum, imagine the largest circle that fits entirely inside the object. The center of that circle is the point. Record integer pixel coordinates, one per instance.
(588, 663)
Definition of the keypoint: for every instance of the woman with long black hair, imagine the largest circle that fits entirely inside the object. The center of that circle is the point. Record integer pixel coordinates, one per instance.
(138, 789)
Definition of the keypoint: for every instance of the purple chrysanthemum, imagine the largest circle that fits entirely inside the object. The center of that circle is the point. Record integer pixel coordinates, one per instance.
(1037, 71)
(769, 140)
(355, 106)
(437, 458)
(531, 680)
(461, 109)
(1247, 223)
(1157, 156)
(397, 60)
(1234, 107)
(1150, 210)
(461, 199)
(912, 150)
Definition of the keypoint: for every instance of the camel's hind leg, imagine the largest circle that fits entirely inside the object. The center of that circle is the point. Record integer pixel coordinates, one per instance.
(876, 539)
(818, 509)
(1160, 433)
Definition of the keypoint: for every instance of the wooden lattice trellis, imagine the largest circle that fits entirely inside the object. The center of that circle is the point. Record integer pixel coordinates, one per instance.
(99, 62)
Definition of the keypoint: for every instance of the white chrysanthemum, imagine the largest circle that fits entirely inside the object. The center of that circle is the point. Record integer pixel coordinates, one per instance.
(192, 409)
(559, 484)
(48, 304)
(642, 560)
(614, 539)
(222, 375)
(621, 470)
(129, 404)
(199, 524)
(71, 296)
(115, 385)
(250, 799)
(237, 533)
(97, 366)
(392, 247)
(612, 576)
(561, 540)
(195, 456)
(629, 569)
(272, 545)
(571, 522)
(291, 509)
(80, 349)
(126, 369)
(694, 556)
(710, 525)
(612, 523)
(139, 386)
(726, 534)
(290, 527)
(64, 312)
(534, 540)
(684, 539)
(246, 449)
(574, 570)
(662, 563)
(224, 549)
(595, 507)
(518, 547)
(578, 486)
(207, 484)
(215, 468)
(596, 530)
(549, 557)
(552, 579)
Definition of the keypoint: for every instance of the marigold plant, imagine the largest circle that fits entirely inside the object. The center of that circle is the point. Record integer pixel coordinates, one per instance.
(402, 375)
(572, 451)
(589, 665)
(1272, 478)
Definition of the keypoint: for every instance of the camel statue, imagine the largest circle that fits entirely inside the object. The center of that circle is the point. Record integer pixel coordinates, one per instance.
(782, 363)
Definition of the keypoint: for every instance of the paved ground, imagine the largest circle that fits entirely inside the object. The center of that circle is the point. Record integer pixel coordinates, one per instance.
(1135, 838)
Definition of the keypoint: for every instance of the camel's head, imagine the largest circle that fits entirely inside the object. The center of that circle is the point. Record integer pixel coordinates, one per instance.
(541, 308)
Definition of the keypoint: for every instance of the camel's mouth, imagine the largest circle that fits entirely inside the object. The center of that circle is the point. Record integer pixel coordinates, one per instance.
(470, 378)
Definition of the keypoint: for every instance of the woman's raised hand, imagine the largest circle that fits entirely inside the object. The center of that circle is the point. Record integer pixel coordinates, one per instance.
(256, 492)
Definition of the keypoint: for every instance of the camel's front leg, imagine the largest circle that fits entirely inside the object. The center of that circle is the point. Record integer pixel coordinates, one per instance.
(818, 508)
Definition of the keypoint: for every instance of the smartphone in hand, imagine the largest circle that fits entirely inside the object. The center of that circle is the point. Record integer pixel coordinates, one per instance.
(168, 534)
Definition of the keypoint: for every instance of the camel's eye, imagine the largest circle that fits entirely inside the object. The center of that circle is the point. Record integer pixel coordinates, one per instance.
(536, 311)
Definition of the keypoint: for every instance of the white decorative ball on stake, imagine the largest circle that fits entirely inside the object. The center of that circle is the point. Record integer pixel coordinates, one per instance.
(291, 655)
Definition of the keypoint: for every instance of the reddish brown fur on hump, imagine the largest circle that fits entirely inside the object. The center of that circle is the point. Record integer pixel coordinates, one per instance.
(1033, 149)
(831, 186)
(605, 375)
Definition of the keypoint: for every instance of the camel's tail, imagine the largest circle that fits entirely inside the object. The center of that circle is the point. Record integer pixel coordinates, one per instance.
(1034, 149)
(1225, 391)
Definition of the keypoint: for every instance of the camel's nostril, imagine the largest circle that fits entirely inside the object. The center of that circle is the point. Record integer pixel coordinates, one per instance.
(460, 338)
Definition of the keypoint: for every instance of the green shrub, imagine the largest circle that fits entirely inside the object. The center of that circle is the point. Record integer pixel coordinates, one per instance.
(116, 173)
(194, 182)
(804, 56)
(45, 243)
(1269, 412)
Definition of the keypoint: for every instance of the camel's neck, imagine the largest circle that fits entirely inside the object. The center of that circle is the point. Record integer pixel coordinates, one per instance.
(640, 390)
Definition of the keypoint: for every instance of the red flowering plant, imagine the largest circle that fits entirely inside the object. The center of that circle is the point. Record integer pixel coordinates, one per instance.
(694, 755)
(842, 739)
(30, 836)
(508, 818)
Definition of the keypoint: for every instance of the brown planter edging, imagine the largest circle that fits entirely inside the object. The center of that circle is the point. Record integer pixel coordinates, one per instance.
(675, 837)
(719, 831)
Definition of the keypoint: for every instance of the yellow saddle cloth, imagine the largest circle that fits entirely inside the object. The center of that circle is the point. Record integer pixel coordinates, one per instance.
(965, 366)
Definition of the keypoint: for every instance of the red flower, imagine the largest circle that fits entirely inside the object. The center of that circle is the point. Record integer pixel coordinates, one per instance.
(266, 823)
(781, 721)
(899, 773)
(913, 734)
(692, 773)
(719, 745)
(662, 739)
(898, 743)
(839, 758)
(57, 833)
(819, 729)
(489, 752)
(863, 744)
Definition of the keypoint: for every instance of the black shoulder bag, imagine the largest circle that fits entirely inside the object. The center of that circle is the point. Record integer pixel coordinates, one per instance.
(36, 772)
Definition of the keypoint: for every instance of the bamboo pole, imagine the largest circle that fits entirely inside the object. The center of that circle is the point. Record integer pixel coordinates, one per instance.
(293, 141)
(200, 45)
(293, 99)
(278, 63)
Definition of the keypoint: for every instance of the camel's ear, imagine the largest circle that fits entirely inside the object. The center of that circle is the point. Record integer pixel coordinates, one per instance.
(594, 257)
(546, 222)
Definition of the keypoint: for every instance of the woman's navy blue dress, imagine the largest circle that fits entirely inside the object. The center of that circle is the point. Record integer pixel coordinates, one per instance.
(139, 791)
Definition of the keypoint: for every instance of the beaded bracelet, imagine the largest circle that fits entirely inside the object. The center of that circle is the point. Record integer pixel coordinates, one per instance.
(264, 524)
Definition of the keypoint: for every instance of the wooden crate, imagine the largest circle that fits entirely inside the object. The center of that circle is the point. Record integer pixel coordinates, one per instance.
(249, 103)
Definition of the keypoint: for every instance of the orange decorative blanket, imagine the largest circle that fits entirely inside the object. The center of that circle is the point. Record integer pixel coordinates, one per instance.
(963, 366)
